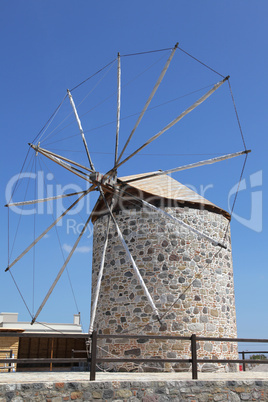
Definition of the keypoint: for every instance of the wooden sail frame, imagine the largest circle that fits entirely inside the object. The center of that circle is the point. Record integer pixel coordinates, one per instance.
(89, 174)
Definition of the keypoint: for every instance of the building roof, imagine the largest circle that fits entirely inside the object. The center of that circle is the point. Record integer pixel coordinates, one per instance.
(166, 187)
(9, 322)
(161, 188)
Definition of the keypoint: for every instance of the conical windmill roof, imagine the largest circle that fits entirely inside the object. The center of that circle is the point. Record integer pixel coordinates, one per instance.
(165, 188)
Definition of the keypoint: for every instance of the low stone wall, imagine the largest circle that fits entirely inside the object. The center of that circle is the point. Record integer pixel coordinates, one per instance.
(136, 391)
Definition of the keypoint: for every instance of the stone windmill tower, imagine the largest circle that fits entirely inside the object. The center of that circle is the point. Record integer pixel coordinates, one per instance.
(189, 278)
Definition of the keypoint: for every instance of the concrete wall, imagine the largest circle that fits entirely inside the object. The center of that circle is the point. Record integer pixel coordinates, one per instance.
(172, 260)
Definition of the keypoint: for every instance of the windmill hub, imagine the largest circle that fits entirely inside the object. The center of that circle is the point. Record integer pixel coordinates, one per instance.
(100, 178)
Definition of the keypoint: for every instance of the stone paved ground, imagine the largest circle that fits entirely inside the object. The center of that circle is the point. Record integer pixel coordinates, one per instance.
(16, 378)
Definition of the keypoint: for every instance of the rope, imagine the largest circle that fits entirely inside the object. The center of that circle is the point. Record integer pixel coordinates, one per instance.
(107, 65)
(123, 86)
(8, 237)
(199, 61)
(65, 118)
(34, 254)
(236, 113)
(58, 237)
(150, 108)
(113, 355)
(171, 124)
(101, 102)
(149, 51)
(129, 116)
(49, 120)
(20, 294)
(141, 154)
(51, 328)
(57, 234)
(218, 251)
(97, 84)
(18, 181)
(16, 233)
(34, 237)
(241, 175)
(156, 320)
(49, 170)
(93, 75)
(140, 327)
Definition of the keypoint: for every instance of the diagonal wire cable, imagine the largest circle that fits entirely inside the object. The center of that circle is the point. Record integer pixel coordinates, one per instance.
(69, 114)
(61, 270)
(107, 98)
(207, 264)
(237, 117)
(20, 293)
(18, 225)
(214, 256)
(173, 122)
(47, 230)
(45, 128)
(93, 75)
(155, 88)
(34, 227)
(59, 241)
(133, 114)
(147, 52)
(96, 85)
(199, 61)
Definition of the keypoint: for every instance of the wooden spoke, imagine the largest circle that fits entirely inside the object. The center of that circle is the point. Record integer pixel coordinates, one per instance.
(61, 271)
(131, 259)
(148, 101)
(57, 159)
(81, 130)
(48, 229)
(173, 122)
(166, 214)
(13, 204)
(64, 159)
(190, 166)
(100, 274)
(118, 107)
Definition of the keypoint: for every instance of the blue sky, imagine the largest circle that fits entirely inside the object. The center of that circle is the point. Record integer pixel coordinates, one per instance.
(50, 46)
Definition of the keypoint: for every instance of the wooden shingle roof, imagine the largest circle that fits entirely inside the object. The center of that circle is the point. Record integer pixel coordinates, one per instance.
(166, 187)
(163, 189)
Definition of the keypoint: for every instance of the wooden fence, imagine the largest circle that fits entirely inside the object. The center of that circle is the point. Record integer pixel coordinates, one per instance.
(93, 358)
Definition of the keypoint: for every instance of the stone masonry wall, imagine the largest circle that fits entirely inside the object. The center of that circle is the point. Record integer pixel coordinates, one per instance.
(189, 279)
(136, 391)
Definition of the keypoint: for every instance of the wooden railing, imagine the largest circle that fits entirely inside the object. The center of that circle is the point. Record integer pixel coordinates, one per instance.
(252, 361)
(93, 359)
(193, 360)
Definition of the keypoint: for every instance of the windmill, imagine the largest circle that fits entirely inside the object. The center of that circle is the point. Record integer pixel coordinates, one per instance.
(131, 190)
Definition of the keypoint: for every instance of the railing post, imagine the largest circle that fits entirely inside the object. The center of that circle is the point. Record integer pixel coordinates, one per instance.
(10, 356)
(93, 356)
(194, 357)
(72, 365)
(244, 364)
